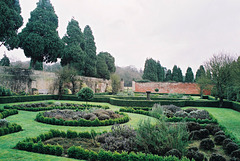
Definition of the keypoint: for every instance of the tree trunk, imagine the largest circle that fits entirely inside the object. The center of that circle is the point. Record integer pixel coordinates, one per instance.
(74, 86)
(221, 102)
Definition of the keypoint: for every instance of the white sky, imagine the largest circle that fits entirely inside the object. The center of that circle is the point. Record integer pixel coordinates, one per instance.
(181, 32)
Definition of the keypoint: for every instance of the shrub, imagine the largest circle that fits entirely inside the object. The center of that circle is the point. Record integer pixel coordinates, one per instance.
(216, 157)
(207, 144)
(230, 147)
(71, 134)
(85, 94)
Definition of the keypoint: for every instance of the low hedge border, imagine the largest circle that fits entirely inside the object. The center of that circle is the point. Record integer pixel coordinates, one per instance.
(82, 122)
(13, 99)
(6, 113)
(172, 119)
(145, 98)
(12, 128)
(53, 107)
(36, 145)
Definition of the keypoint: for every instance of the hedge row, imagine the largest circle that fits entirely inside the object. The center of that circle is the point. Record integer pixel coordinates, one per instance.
(236, 106)
(12, 128)
(82, 122)
(6, 113)
(171, 119)
(51, 108)
(145, 98)
(36, 145)
(95, 98)
(13, 99)
(78, 152)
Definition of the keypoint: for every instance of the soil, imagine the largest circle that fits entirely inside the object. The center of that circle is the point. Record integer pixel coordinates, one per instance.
(67, 143)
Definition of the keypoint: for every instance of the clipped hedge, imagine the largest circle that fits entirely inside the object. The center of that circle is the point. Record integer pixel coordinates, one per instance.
(82, 122)
(6, 113)
(145, 98)
(11, 128)
(13, 99)
(77, 152)
(171, 119)
(236, 106)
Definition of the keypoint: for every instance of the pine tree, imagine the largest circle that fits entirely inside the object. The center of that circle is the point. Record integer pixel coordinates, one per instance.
(150, 70)
(175, 73)
(168, 76)
(160, 72)
(5, 61)
(102, 68)
(39, 39)
(189, 75)
(180, 76)
(91, 57)
(10, 22)
(73, 53)
(200, 72)
(110, 61)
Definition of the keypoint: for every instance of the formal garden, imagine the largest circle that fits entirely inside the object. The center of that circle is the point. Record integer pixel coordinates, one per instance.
(119, 127)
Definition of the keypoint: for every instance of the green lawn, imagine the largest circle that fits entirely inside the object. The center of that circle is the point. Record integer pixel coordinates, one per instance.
(33, 129)
(226, 117)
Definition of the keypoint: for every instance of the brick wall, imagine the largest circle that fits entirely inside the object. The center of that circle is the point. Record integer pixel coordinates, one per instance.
(165, 87)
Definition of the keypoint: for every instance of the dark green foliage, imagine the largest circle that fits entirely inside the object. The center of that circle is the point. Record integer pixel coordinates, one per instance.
(150, 70)
(200, 72)
(71, 134)
(38, 65)
(90, 49)
(5, 61)
(6, 113)
(74, 52)
(115, 83)
(39, 39)
(85, 94)
(10, 128)
(169, 76)
(109, 60)
(102, 68)
(177, 74)
(189, 75)
(180, 76)
(10, 22)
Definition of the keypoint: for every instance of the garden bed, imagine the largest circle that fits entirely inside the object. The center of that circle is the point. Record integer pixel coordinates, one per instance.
(43, 106)
(97, 117)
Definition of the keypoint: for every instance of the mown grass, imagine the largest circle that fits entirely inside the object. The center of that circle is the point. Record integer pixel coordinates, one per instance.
(33, 129)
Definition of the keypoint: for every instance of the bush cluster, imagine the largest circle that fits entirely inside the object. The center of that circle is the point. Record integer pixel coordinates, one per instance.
(10, 128)
(5, 92)
(82, 122)
(6, 113)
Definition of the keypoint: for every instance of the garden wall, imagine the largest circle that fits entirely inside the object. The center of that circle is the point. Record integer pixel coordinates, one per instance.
(166, 87)
(18, 79)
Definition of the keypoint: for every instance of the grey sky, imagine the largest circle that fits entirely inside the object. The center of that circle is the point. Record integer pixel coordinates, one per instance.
(181, 32)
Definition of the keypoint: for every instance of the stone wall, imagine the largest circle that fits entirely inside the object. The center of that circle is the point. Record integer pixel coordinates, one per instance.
(166, 87)
(18, 79)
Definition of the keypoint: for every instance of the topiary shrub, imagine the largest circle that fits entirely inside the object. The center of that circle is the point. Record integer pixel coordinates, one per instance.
(236, 154)
(197, 156)
(85, 94)
(230, 147)
(195, 135)
(219, 139)
(216, 157)
(219, 133)
(225, 142)
(207, 144)
(192, 126)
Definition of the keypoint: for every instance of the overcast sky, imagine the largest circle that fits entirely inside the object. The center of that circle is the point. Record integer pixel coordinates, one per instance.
(181, 32)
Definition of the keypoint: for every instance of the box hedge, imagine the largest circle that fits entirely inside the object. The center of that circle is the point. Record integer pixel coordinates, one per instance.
(11, 128)
(6, 113)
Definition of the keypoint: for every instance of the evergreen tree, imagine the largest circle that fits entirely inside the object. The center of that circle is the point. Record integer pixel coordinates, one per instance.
(200, 72)
(180, 76)
(10, 22)
(5, 61)
(102, 68)
(150, 70)
(168, 76)
(189, 75)
(160, 72)
(38, 65)
(73, 53)
(175, 73)
(110, 61)
(91, 57)
(39, 39)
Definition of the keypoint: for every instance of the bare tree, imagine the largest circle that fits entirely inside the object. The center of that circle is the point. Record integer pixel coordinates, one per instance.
(220, 69)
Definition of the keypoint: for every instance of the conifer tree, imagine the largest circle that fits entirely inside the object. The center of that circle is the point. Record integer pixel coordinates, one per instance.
(91, 57)
(180, 76)
(102, 68)
(160, 72)
(10, 22)
(200, 72)
(189, 75)
(175, 73)
(150, 70)
(39, 39)
(5, 61)
(73, 53)
(168, 76)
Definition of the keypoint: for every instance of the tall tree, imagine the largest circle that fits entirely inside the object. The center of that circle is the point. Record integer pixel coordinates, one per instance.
(38, 65)
(175, 73)
(115, 79)
(189, 75)
(220, 69)
(5, 61)
(160, 72)
(39, 39)
(73, 53)
(168, 76)
(150, 70)
(102, 68)
(110, 61)
(200, 72)
(10, 22)
(180, 76)
(91, 57)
